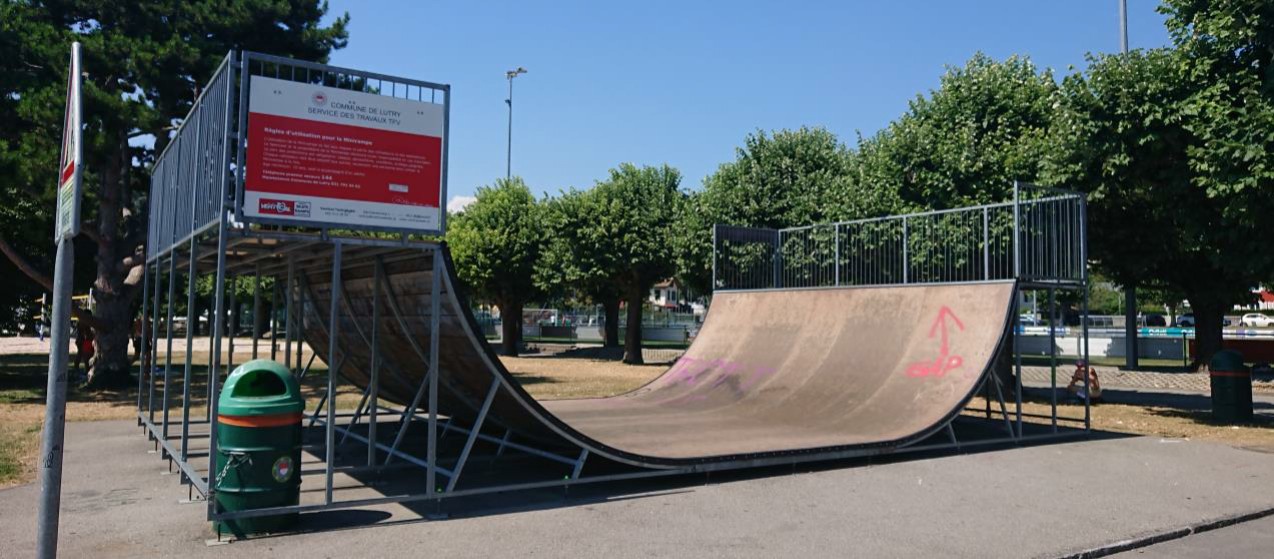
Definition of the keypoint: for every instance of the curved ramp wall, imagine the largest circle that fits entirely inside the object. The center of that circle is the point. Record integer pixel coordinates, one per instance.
(772, 376)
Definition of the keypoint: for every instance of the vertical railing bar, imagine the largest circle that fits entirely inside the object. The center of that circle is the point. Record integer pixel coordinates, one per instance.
(332, 332)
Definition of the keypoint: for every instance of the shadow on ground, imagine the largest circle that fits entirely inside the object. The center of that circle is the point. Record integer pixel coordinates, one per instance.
(486, 468)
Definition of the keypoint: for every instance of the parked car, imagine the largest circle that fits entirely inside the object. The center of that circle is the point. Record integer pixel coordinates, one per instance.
(1186, 321)
(1156, 320)
(1028, 319)
(1256, 320)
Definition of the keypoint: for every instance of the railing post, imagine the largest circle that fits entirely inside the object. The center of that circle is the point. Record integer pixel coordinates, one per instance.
(906, 259)
(715, 226)
(986, 245)
(836, 235)
(778, 259)
(1017, 240)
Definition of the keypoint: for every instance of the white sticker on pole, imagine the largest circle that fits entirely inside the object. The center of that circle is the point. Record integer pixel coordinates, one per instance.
(70, 168)
(329, 156)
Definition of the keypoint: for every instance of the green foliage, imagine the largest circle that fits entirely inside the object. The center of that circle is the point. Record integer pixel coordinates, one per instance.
(496, 243)
(144, 63)
(581, 251)
(1175, 147)
(983, 128)
(635, 216)
(783, 179)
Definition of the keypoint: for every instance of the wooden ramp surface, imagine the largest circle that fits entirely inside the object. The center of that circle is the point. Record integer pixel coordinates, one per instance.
(771, 374)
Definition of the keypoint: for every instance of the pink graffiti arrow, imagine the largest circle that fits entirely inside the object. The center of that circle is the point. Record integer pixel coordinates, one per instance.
(945, 361)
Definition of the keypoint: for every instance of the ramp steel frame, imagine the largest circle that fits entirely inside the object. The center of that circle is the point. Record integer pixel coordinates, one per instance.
(197, 230)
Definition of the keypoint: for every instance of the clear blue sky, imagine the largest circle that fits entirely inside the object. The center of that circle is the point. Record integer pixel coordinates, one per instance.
(683, 83)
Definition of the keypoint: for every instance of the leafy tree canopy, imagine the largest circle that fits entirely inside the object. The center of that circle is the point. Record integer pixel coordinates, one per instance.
(145, 62)
(983, 128)
(782, 179)
(496, 242)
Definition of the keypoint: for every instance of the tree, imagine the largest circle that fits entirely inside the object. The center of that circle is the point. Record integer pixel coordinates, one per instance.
(581, 253)
(983, 128)
(1174, 147)
(636, 210)
(496, 242)
(145, 61)
(783, 179)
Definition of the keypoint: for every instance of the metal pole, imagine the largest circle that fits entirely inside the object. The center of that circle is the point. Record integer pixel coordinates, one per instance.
(191, 323)
(234, 322)
(375, 380)
(508, 164)
(1017, 359)
(905, 250)
(434, 323)
(333, 325)
(1083, 244)
(287, 312)
(836, 234)
(144, 339)
(274, 320)
(55, 402)
(168, 357)
(256, 310)
(154, 347)
(1017, 244)
(1052, 353)
(224, 208)
(714, 258)
(1123, 26)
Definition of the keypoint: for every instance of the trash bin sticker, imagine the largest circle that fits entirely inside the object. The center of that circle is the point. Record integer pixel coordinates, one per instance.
(282, 469)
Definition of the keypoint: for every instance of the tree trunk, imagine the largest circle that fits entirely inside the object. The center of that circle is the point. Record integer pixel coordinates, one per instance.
(510, 327)
(1209, 317)
(112, 297)
(262, 317)
(610, 308)
(632, 336)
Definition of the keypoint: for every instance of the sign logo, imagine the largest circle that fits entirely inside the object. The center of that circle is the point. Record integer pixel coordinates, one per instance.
(282, 469)
(277, 207)
(319, 98)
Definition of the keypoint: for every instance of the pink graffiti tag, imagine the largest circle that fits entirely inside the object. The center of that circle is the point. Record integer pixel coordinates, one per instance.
(691, 372)
(945, 361)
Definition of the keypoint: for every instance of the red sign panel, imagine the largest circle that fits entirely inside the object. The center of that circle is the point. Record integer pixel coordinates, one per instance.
(337, 157)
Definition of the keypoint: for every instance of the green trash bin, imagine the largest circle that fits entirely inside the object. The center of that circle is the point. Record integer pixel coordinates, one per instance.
(1231, 387)
(258, 446)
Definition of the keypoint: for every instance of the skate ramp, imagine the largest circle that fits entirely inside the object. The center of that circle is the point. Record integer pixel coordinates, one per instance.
(773, 375)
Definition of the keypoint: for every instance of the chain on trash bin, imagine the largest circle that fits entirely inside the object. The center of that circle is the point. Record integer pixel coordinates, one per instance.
(236, 459)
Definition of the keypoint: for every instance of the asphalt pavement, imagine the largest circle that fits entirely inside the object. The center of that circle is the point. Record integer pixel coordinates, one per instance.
(1035, 501)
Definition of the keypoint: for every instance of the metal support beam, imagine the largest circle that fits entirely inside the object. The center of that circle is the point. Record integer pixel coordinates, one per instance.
(374, 383)
(332, 332)
(579, 464)
(256, 311)
(435, 320)
(473, 434)
(192, 324)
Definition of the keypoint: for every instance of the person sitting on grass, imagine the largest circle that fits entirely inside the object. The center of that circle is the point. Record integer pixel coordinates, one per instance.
(1076, 386)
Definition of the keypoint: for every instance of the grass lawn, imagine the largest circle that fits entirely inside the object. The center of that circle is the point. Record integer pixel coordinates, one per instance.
(575, 373)
(1102, 361)
(23, 379)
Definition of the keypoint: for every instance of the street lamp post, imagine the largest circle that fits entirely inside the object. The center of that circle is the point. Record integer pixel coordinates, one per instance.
(508, 168)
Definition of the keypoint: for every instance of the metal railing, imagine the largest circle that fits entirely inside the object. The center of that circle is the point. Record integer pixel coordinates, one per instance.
(1037, 237)
(207, 151)
(187, 178)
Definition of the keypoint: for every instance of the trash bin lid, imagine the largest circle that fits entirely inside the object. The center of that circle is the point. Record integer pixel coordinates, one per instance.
(1227, 360)
(260, 387)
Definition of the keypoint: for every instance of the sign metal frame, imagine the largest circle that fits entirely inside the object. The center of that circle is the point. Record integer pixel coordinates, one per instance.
(283, 66)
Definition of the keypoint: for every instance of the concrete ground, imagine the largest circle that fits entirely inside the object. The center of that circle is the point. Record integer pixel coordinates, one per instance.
(1043, 501)
(1250, 539)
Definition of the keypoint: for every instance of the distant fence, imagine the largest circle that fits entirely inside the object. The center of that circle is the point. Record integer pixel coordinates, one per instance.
(1037, 237)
